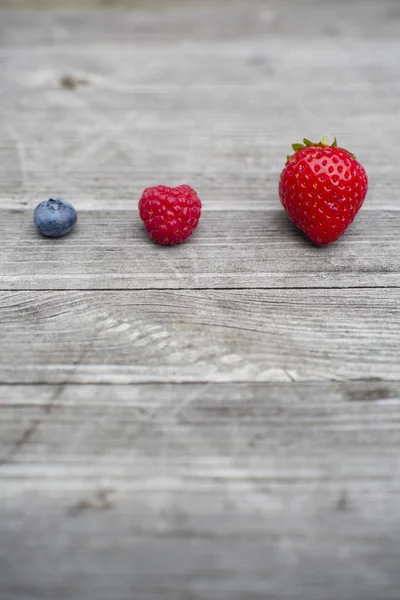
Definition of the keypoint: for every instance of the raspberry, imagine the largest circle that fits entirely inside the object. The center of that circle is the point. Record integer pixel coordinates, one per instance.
(170, 215)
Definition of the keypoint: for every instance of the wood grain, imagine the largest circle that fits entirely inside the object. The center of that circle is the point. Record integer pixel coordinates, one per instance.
(251, 249)
(205, 95)
(199, 335)
(201, 491)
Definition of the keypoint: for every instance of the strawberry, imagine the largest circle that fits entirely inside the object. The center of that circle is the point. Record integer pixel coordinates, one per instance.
(322, 188)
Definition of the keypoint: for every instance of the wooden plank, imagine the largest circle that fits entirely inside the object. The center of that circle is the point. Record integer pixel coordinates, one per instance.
(217, 115)
(200, 491)
(115, 417)
(199, 335)
(252, 249)
(211, 19)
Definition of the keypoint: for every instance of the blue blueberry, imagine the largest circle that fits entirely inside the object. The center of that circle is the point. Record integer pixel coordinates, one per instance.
(54, 217)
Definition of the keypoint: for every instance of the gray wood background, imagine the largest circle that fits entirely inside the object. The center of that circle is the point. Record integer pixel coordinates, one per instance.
(218, 420)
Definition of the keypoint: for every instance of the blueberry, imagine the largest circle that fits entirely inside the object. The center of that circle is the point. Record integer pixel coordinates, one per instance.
(54, 217)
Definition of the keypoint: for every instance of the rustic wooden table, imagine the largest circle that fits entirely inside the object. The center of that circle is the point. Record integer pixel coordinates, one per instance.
(218, 420)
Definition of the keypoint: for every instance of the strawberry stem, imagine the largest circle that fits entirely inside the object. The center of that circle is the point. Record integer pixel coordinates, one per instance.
(308, 144)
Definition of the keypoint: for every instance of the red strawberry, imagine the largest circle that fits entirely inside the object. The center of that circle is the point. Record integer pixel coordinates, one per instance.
(322, 188)
(170, 215)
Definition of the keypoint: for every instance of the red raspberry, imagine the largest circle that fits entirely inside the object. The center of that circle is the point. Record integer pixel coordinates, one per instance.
(170, 215)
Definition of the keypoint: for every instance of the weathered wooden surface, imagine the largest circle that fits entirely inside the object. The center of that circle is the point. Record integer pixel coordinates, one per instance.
(219, 420)
(193, 491)
(199, 335)
(213, 94)
(246, 249)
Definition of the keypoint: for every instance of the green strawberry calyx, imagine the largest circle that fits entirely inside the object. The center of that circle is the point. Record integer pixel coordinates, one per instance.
(308, 144)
